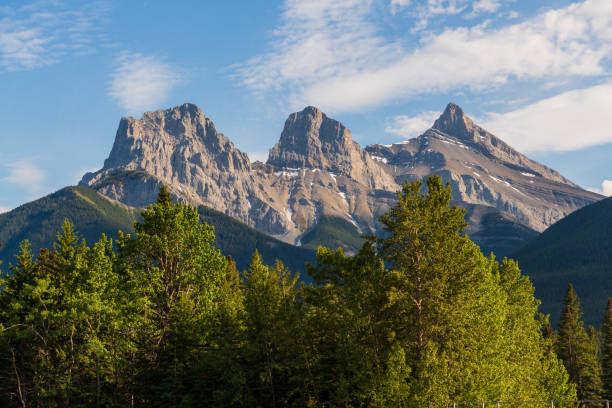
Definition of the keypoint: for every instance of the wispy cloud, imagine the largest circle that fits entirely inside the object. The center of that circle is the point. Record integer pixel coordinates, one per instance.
(568, 121)
(4, 209)
(606, 188)
(142, 82)
(40, 33)
(486, 6)
(341, 63)
(318, 41)
(408, 127)
(26, 175)
(430, 9)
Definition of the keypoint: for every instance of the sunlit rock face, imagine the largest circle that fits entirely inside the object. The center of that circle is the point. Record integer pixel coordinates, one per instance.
(317, 170)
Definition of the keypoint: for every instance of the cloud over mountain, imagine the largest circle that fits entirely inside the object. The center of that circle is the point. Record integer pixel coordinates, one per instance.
(338, 55)
(142, 82)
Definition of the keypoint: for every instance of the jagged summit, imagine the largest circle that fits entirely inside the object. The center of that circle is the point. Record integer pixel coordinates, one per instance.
(179, 145)
(454, 122)
(182, 110)
(311, 139)
(317, 171)
(483, 170)
(158, 134)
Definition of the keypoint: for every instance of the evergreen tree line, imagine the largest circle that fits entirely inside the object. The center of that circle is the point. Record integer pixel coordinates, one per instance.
(586, 353)
(162, 319)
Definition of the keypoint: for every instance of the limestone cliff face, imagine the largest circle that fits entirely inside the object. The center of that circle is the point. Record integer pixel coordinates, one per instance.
(484, 170)
(316, 170)
(181, 148)
(312, 140)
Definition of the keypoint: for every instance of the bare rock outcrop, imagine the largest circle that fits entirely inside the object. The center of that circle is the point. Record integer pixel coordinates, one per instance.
(316, 170)
(484, 170)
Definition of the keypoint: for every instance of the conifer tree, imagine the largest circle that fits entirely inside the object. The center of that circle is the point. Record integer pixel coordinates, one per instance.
(606, 334)
(578, 350)
(360, 361)
(445, 297)
(270, 322)
(174, 278)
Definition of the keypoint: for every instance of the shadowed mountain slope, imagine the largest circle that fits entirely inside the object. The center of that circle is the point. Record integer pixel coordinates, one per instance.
(93, 214)
(576, 250)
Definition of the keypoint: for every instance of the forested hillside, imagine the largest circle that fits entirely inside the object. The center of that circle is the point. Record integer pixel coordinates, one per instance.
(419, 318)
(576, 250)
(93, 214)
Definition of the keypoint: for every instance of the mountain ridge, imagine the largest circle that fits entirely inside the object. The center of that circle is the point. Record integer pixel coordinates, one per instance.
(316, 171)
(575, 250)
(93, 214)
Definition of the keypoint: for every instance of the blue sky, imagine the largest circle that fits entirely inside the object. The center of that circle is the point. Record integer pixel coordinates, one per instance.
(536, 73)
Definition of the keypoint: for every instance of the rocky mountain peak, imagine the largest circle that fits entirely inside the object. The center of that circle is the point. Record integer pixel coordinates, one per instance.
(178, 128)
(311, 139)
(174, 145)
(454, 122)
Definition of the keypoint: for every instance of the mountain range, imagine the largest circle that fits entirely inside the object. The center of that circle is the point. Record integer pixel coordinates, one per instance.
(317, 187)
(317, 172)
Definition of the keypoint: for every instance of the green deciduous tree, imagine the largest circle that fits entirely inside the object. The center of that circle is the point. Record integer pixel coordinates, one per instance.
(358, 358)
(417, 318)
(271, 316)
(450, 323)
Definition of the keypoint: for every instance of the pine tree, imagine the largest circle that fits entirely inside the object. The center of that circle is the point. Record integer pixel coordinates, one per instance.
(606, 333)
(270, 319)
(359, 361)
(445, 297)
(174, 278)
(578, 350)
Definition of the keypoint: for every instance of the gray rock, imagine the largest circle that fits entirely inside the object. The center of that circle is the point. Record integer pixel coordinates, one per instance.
(316, 170)
(484, 170)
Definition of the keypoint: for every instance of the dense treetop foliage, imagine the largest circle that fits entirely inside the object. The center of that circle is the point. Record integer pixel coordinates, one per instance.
(161, 318)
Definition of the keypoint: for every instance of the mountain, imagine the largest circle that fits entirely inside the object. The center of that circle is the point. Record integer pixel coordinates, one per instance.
(484, 170)
(93, 214)
(40, 220)
(576, 250)
(317, 180)
(181, 148)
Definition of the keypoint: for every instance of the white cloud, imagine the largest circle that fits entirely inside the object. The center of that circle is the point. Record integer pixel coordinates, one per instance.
(142, 82)
(320, 39)
(606, 188)
(24, 49)
(26, 175)
(408, 127)
(36, 34)
(333, 55)
(486, 6)
(431, 9)
(568, 121)
(4, 209)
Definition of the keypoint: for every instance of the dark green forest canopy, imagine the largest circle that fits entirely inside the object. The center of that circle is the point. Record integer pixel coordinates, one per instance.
(576, 250)
(161, 318)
